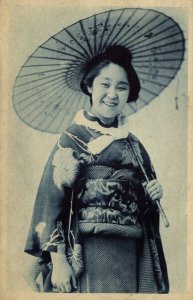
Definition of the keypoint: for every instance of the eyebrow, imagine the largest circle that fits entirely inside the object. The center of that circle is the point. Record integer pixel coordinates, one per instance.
(120, 82)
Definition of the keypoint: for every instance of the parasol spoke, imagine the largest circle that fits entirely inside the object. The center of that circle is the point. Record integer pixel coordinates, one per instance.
(152, 42)
(54, 58)
(119, 40)
(70, 114)
(86, 39)
(44, 98)
(79, 44)
(39, 79)
(103, 32)
(82, 54)
(152, 34)
(44, 113)
(112, 30)
(139, 29)
(172, 44)
(144, 102)
(95, 33)
(37, 107)
(153, 82)
(147, 32)
(75, 57)
(38, 65)
(51, 111)
(37, 93)
(132, 107)
(149, 91)
(40, 73)
(37, 86)
(160, 54)
(59, 119)
(157, 74)
(160, 60)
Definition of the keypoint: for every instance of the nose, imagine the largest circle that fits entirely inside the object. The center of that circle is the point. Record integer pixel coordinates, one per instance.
(112, 94)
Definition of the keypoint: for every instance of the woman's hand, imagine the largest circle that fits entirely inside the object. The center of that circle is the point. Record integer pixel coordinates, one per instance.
(154, 189)
(63, 278)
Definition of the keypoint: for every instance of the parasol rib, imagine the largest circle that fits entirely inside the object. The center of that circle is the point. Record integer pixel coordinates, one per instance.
(70, 92)
(77, 58)
(158, 54)
(86, 38)
(40, 72)
(95, 32)
(160, 60)
(33, 101)
(70, 47)
(156, 67)
(42, 112)
(39, 79)
(158, 47)
(54, 58)
(157, 75)
(36, 86)
(150, 43)
(30, 66)
(150, 30)
(154, 82)
(157, 33)
(142, 100)
(43, 98)
(111, 32)
(59, 92)
(141, 28)
(79, 44)
(62, 119)
(132, 108)
(148, 91)
(38, 92)
(154, 35)
(130, 28)
(102, 36)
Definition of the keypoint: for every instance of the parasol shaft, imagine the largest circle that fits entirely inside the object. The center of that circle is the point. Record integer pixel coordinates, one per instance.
(163, 215)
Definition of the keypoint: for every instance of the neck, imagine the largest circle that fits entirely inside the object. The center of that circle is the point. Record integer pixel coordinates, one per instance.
(105, 121)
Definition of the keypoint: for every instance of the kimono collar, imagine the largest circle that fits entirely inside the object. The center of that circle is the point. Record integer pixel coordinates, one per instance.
(108, 135)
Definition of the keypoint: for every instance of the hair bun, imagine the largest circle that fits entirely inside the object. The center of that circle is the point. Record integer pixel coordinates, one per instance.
(118, 52)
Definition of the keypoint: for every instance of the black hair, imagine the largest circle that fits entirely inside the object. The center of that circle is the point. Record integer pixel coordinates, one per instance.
(116, 54)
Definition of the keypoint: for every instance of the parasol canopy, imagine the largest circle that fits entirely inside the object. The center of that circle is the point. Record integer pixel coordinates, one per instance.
(47, 94)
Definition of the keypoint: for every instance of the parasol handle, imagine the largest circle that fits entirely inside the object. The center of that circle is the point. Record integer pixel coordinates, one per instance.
(162, 213)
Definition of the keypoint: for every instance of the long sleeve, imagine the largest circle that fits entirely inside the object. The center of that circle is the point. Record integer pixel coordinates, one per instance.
(51, 209)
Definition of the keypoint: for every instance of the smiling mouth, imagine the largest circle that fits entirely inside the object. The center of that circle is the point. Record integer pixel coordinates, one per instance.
(111, 104)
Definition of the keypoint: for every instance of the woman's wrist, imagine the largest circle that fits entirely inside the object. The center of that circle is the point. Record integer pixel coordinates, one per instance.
(58, 258)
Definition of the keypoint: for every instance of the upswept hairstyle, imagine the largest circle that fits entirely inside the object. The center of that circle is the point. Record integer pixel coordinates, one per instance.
(116, 54)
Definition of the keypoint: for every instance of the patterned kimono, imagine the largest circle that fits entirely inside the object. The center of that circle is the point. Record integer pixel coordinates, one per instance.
(93, 209)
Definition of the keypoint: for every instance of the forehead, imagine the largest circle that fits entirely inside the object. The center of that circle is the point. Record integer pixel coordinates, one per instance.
(113, 72)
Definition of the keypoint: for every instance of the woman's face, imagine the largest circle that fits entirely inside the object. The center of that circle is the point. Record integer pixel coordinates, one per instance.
(110, 91)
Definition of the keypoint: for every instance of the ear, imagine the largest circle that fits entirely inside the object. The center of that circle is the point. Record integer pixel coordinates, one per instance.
(89, 89)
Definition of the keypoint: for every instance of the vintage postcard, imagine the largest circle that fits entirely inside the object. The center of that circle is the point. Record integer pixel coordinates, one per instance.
(96, 125)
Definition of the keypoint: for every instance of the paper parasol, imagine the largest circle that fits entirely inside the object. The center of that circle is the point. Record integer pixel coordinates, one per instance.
(47, 94)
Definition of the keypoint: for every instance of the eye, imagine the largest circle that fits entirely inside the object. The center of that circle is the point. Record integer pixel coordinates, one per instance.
(122, 88)
(106, 85)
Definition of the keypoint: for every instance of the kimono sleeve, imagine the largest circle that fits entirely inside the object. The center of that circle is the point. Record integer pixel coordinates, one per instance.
(51, 209)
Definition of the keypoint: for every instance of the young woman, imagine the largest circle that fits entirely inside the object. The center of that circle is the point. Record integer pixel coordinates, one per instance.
(95, 225)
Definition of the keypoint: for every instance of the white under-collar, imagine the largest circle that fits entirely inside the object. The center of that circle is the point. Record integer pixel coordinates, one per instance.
(108, 134)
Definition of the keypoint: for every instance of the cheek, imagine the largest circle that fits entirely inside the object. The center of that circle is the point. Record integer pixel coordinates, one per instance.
(98, 95)
(123, 98)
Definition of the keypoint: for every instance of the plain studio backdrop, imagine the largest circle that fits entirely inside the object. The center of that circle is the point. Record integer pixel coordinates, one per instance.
(159, 126)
